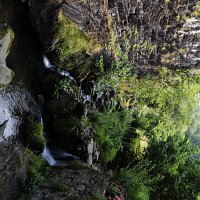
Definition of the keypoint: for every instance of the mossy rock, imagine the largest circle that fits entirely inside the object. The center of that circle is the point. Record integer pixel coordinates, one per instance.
(72, 39)
(6, 38)
(34, 136)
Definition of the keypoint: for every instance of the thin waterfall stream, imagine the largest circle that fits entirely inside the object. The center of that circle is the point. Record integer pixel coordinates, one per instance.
(48, 65)
(53, 156)
(59, 157)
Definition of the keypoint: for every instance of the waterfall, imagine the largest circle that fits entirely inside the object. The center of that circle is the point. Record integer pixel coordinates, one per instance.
(48, 65)
(55, 157)
(62, 72)
(47, 156)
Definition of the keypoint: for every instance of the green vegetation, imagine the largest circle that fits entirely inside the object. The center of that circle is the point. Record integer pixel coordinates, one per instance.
(168, 171)
(163, 105)
(176, 169)
(147, 117)
(162, 108)
(109, 128)
(35, 174)
(72, 39)
(34, 135)
(59, 185)
(68, 86)
(136, 180)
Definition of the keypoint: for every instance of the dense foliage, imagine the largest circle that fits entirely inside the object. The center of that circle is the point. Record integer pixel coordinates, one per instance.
(162, 111)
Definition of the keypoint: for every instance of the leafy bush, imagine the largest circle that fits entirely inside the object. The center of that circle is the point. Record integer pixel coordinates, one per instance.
(174, 166)
(136, 180)
(110, 126)
(161, 104)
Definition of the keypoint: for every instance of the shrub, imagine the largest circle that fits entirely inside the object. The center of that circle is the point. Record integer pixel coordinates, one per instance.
(176, 169)
(109, 128)
(136, 181)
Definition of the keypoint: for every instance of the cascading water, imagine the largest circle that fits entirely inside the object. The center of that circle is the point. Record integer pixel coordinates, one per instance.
(48, 65)
(56, 157)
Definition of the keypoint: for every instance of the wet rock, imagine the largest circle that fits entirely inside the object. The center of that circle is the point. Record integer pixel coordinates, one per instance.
(159, 33)
(6, 38)
(2, 128)
(93, 150)
(6, 75)
(13, 162)
(80, 188)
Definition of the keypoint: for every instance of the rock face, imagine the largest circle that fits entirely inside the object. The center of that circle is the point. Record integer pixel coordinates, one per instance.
(6, 37)
(158, 33)
(76, 184)
(13, 170)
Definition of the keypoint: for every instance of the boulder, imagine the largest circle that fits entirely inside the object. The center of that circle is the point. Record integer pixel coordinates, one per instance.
(6, 38)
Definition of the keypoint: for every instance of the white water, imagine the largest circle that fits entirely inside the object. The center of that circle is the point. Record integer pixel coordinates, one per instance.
(59, 157)
(56, 157)
(48, 65)
(48, 157)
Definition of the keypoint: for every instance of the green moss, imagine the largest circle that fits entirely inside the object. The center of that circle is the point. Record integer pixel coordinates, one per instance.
(72, 39)
(35, 174)
(34, 136)
(59, 184)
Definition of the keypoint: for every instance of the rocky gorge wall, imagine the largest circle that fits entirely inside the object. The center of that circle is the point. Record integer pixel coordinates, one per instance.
(147, 34)
(158, 33)
(151, 33)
